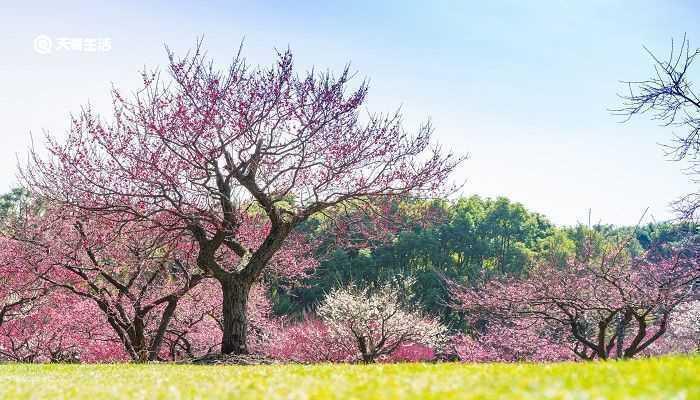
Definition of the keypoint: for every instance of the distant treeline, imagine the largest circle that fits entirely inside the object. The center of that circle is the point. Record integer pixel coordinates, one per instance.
(476, 239)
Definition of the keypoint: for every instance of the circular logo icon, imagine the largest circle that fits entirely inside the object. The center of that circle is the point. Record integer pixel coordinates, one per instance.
(43, 44)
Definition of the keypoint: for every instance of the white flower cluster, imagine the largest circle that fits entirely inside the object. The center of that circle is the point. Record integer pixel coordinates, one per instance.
(685, 322)
(376, 323)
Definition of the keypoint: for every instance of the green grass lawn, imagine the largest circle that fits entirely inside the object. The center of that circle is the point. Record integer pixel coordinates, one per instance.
(661, 378)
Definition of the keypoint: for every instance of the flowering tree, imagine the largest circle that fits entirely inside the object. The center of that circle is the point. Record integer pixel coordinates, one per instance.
(134, 277)
(518, 340)
(63, 328)
(20, 290)
(310, 340)
(600, 303)
(203, 152)
(372, 324)
(685, 324)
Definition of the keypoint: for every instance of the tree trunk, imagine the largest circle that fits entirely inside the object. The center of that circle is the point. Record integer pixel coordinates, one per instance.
(235, 323)
(157, 340)
(367, 357)
(620, 334)
(138, 338)
(621, 329)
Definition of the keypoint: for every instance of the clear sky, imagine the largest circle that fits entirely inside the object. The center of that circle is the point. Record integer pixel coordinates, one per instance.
(523, 87)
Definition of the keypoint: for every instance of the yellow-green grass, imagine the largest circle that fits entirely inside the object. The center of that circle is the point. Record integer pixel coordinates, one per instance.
(657, 378)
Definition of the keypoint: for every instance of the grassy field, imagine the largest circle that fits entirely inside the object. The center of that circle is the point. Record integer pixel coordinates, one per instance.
(662, 378)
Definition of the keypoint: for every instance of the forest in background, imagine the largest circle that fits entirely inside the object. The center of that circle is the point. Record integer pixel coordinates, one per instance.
(470, 240)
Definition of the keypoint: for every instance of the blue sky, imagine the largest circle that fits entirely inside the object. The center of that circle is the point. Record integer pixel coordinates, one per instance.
(523, 87)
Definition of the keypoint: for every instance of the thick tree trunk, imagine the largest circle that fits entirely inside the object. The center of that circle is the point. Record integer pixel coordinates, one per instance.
(138, 338)
(234, 321)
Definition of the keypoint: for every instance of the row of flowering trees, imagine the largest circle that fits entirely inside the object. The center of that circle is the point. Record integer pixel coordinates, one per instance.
(74, 285)
(75, 289)
(151, 235)
(598, 307)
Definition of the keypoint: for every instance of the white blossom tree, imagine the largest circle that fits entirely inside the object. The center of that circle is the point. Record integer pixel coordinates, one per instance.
(685, 324)
(374, 323)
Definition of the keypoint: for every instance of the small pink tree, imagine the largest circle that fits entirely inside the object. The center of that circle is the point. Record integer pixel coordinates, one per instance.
(515, 341)
(63, 328)
(198, 153)
(309, 341)
(610, 307)
(134, 277)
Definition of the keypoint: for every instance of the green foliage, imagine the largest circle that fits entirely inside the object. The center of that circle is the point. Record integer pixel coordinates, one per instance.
(591, 242)
(665, 236)
(636, 379)
(11, 202)
(556, 248)
(478, 239)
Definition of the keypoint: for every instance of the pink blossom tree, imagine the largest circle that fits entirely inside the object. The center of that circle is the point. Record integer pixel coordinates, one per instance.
(201, 152)
(21, 291)
(63, 328)
(514, 341)
(310, 340)
(611, 307)
(134, 277)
